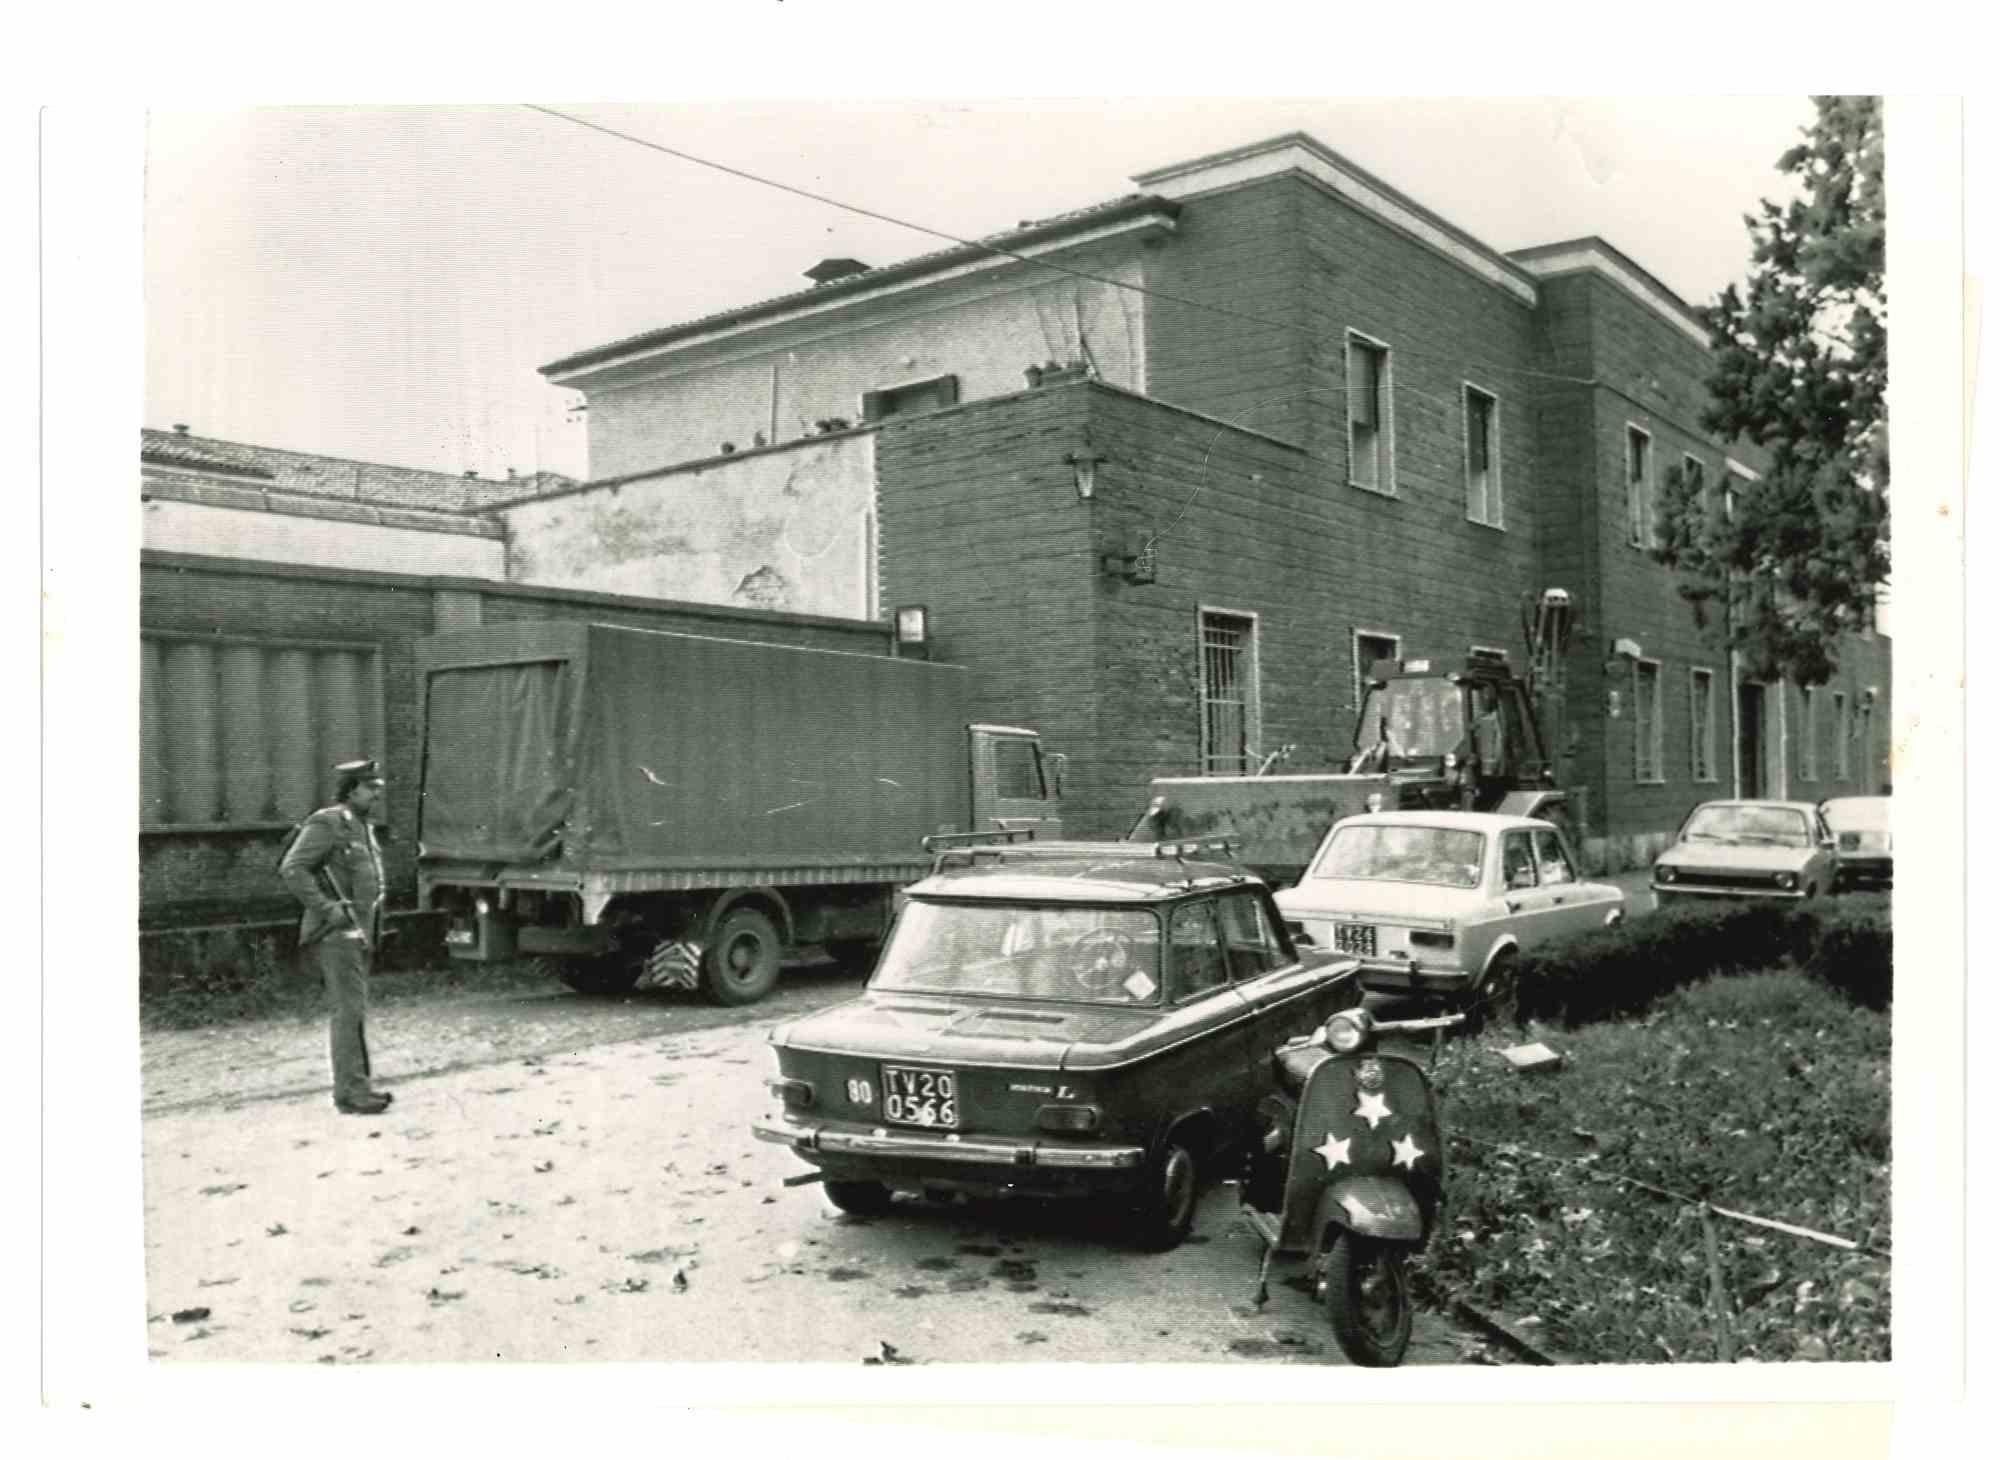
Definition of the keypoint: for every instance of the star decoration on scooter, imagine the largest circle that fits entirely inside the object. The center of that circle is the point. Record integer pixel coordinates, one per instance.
(1373, 1108)
(1334, 1151)
(1407, 1151)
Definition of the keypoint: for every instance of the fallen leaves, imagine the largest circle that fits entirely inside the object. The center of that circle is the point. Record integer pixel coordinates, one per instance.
(226, 1189)
(190, 1315)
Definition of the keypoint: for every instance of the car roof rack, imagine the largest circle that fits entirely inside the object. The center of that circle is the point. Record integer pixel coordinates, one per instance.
(970, 848)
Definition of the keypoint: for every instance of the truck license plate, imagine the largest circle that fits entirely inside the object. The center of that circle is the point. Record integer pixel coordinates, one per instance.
(1354, 938)
(920, 1097)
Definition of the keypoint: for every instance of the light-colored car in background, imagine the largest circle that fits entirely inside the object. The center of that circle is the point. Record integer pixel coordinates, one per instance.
(1444, 902)
(1863, 849)
(1763, 849)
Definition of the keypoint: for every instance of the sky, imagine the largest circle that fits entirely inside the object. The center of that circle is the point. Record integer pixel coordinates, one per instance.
(383, 282)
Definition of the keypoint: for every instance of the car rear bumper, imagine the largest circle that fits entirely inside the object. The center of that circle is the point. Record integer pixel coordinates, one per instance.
(1402, 978)
(1664, 893)
(920, 1157)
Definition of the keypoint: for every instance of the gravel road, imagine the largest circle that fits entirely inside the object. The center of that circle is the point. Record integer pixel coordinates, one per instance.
(567, 1178)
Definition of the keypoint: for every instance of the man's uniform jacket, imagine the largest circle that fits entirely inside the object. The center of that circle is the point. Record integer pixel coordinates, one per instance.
(334, 845)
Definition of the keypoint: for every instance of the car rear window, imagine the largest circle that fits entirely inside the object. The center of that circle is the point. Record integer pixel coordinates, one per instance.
(1080, 954)
(1440, 856)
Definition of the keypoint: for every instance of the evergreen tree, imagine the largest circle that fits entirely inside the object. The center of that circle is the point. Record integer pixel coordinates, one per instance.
(1800, 362)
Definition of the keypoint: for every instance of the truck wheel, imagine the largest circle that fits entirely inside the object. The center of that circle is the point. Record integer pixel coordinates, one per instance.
(859, 1198)
(1165, 1209)
(597, 976)
(741, 964)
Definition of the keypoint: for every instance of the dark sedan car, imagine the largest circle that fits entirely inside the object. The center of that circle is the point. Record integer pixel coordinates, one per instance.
(1863, 848)
(1056, 1020)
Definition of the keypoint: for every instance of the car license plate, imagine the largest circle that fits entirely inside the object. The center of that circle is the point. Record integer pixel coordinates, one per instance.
(920, 1097)
(1354, 938)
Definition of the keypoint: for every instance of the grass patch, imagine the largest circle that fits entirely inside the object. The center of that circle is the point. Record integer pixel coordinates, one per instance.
(1766, 1093)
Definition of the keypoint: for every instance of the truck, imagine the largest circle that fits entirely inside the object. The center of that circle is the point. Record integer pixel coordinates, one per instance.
(640, 808)
(1464, 734)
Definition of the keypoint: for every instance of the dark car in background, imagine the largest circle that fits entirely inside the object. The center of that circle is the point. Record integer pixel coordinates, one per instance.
(1761, 849)
(1863, 846)
(1056, 1020)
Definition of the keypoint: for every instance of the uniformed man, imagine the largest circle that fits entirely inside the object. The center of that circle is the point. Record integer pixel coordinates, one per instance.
(334, 868)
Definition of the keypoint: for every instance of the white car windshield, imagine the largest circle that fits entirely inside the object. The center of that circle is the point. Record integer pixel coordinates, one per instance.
(1095, 955)
(1441, 856)
(1777, 826)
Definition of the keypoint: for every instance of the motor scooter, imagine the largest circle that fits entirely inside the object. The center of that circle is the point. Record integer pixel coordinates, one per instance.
(1350, 1173)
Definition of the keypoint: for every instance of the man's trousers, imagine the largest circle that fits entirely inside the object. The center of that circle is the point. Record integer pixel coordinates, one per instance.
(343, 963)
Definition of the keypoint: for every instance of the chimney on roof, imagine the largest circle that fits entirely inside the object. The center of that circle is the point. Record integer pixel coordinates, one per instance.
(472, 476)
(827, 270)
(180, 428)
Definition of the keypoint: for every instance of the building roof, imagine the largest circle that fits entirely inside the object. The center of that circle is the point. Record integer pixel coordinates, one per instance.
(1029, 233)
(306, 474)
(1591, 253)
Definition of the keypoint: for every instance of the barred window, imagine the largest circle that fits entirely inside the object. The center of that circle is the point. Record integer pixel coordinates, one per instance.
(239, 732)
(1228, 692)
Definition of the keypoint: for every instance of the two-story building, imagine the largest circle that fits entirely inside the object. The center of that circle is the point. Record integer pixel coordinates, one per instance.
(1169, 472)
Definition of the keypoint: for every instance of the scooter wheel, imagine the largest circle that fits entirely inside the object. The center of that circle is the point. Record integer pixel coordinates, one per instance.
(1368, 1300)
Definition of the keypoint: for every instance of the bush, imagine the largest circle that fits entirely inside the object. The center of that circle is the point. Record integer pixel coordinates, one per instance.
(1609, 973)
(1853, 952)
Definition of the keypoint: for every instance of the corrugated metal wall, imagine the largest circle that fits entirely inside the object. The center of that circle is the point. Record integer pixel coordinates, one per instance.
(234, 732)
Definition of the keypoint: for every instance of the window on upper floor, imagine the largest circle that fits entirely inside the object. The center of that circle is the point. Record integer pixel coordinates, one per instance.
(1638, 487)
(908, 400)
(1699, 488)
(1371, 427)
(1482, 457)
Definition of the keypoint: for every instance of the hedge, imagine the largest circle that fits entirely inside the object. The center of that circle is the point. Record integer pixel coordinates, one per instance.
(1609, 973)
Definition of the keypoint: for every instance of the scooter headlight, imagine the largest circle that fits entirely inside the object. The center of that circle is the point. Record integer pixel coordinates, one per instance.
(1348, 1031)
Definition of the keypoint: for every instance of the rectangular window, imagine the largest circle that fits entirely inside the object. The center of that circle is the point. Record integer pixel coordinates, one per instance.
(1646, 720)
(1482, 457)
(1809, 735)
(1228, 692)
(1638, 486)
(238, 732)
(908, 400)
(1697, 480)
(1371, 428)
(1842, 767)
(1367, 649)
(1701, 724)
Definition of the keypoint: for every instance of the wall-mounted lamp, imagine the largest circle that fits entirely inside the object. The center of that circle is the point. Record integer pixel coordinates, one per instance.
(1085, 466)
(1868, 695)
(913, 630)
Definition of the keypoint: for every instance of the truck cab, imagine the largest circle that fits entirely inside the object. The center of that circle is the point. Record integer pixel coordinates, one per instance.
(1016, 785)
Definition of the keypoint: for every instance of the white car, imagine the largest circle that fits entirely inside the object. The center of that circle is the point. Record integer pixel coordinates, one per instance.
(1443, 902)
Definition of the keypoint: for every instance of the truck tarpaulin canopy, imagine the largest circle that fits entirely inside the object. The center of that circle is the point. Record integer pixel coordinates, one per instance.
(617, 748)
(495, 781)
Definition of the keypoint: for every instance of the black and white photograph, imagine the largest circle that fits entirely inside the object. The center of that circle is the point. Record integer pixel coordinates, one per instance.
(1244, 737)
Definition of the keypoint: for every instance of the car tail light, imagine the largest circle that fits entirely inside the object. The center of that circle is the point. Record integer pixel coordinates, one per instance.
(1423, 938)
(1069, 1120)
(792, 1092)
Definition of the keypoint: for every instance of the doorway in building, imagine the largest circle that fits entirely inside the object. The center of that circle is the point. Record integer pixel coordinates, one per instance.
(1750, 739)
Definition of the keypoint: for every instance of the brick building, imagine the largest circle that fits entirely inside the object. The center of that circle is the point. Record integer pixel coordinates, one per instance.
(1329, 424)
